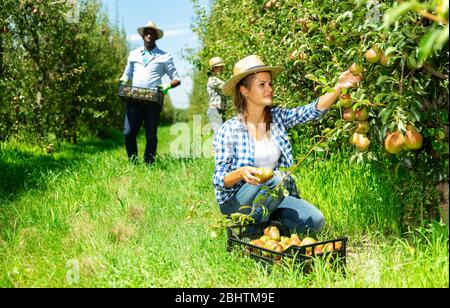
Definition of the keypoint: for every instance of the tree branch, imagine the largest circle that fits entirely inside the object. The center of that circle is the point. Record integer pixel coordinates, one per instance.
(434, 72)
(432, 17)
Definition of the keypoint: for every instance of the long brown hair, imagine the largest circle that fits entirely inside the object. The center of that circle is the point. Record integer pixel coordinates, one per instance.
(240, 103)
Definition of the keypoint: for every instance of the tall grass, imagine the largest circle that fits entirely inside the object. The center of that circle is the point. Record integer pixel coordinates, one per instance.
(85, 217)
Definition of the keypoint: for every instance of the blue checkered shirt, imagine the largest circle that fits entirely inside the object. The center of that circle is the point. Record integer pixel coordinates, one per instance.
(234, 147)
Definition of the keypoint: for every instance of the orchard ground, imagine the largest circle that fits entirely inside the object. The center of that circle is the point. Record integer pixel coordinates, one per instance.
(85, 217)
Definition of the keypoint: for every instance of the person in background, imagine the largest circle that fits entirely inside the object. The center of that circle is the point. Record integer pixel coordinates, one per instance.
(258, 137)
(145, 68)
(217, 101)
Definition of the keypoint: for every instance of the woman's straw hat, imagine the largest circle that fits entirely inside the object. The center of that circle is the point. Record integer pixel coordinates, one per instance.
(153, 26)
(216, 61)
(247, 66)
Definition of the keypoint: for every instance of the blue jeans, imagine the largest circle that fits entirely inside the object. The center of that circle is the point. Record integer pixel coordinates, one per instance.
(136, 113)
(294, 213)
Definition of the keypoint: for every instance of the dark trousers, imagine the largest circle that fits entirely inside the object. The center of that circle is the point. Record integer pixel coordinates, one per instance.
(136, 113)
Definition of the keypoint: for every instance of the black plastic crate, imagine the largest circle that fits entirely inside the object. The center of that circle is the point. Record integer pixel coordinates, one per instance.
(142, 95)
(239, 237)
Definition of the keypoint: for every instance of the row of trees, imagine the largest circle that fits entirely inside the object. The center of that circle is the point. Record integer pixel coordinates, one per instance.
(59, 66)
(401, 47)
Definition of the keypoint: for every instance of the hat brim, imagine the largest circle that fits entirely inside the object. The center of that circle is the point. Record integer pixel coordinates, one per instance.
(217, 65)
(158, 31)
(229, 87)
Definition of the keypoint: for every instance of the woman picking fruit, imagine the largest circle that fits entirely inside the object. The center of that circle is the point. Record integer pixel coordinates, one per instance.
(257, 137)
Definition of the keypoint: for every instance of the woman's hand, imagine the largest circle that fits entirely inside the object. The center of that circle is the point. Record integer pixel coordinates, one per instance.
(347, 80)
(246, 173)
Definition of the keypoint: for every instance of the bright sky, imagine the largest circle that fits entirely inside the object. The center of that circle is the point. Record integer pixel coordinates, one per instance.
(174, 17)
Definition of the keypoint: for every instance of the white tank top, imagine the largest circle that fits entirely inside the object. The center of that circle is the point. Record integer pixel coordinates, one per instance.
(267, 153)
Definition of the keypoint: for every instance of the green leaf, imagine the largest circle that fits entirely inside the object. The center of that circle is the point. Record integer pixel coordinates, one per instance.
(319, 149)
(258, 199)
(312, 77)
(393, 14)
(347, 14)
(382, 79)
(245, 207)
(443, 37)
(428, 44)
(360, 160)
(385, 115)
(415, 114)
(389, 50)
(275, 194)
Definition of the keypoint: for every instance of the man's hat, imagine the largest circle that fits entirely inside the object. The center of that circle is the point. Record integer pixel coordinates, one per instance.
(216, 61)
(151, 25)
(247, 66)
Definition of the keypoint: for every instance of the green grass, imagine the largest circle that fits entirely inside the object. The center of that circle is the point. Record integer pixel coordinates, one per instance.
(85, 217)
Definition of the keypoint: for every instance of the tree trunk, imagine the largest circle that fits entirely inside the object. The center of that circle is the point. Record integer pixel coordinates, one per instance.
(443, 190)
(1, 56)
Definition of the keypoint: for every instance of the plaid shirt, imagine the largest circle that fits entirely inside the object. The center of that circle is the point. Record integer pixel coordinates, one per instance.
(216, 98)
(234, 148)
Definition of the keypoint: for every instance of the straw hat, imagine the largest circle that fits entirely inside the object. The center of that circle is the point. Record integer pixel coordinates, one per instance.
(247, 66)
(153, 26)
(215, 62)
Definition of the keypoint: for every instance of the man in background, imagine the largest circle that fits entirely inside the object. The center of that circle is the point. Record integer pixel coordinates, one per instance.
(145, 68)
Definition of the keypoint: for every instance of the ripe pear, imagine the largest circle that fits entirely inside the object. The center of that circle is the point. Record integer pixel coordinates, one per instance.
(349, 115)
(353, 138)
(285, 245)
(275, 246)
(272, 232)
(284, 239)
(346, 101)
(362, 114)
(257, 242)
(264, 238)
(319, 249)
(356, 69)
(413, 139)
(266, 174)
(372, 55)
(295, 240)
(328, 247)
(293, 55)
(302, 56)
(362, 143)
(308, 241)
(395, 142)
(269, 243)
(363, 127)
(384, 60)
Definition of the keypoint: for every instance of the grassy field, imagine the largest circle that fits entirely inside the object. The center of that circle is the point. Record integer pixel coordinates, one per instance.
(85, 217)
